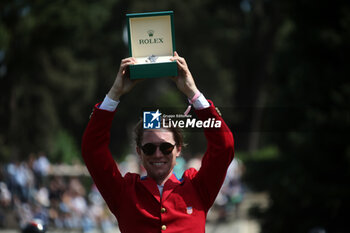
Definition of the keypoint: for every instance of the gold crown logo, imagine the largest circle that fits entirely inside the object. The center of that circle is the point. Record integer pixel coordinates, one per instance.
(150, 33)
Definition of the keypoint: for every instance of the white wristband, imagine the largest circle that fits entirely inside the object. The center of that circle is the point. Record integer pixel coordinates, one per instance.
(109, 104)
(201, 102)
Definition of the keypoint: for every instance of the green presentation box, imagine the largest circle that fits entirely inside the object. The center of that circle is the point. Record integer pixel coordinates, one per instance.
(152, 44)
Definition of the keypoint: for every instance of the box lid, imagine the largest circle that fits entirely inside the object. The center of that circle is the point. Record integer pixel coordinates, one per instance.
(151, 34)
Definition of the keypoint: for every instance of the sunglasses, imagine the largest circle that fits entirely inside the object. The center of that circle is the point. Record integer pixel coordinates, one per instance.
(165, 147)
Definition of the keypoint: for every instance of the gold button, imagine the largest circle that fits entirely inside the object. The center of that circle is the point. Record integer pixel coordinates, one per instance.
(163, 227)
(163, 210)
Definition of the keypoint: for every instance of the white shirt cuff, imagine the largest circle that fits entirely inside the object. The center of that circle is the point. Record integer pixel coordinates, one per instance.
(201, 102)
(109, 104)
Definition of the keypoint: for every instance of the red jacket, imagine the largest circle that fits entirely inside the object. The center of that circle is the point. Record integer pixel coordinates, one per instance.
(136, 201)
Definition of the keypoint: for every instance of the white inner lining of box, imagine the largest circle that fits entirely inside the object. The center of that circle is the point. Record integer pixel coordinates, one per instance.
(144, 60)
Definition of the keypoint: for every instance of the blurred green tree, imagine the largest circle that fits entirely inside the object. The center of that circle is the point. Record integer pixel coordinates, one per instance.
(308, 92)
(52, 59)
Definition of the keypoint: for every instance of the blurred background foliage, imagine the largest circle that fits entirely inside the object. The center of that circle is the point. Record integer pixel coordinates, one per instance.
(277, 69)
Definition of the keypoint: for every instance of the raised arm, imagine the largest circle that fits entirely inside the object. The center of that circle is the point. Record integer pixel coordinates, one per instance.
(184, 81)
(220, 144)
(217, 158)
(122, 84)
(96, 139)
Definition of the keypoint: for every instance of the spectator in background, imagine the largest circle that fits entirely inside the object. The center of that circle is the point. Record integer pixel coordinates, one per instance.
(98, 213)
(60, 204)
(5, 202)
(41, 167)
(231, 192)
(131, 163)
(42, 196)
(5, 195)
(20, 177)
(195, 162)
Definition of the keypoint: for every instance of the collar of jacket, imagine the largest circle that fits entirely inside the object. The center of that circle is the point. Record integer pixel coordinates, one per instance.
(169, 186)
